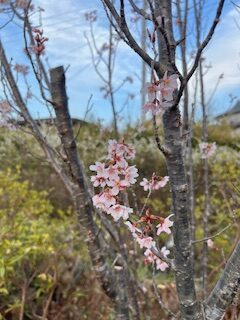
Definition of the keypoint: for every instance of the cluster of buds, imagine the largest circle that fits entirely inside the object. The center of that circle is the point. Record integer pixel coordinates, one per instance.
(207, 149)
(91, 16)
(157, 21)
(160, 94)
(20, 68)
(40, 40)
(115, 176)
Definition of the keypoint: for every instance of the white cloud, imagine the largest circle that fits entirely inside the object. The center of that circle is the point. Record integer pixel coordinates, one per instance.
(223, 53)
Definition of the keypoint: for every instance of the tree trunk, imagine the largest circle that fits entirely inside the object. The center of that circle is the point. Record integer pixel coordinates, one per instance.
(189, 306)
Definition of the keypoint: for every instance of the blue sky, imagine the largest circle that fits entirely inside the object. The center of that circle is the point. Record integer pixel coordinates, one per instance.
(64, 24)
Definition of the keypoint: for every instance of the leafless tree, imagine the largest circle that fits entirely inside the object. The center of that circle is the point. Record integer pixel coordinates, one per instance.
(106, 247)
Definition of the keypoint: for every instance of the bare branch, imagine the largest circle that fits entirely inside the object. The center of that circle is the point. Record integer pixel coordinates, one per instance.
(121, 21)
(199, 52)
(213, 236)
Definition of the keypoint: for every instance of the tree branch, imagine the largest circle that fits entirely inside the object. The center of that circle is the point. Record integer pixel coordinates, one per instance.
(226, 288)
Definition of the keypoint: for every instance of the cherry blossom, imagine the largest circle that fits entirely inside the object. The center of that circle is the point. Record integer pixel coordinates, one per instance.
(155, 184)
(165, 225)
(154, 107)
(169, 82)
(161, 265)
(131, 227)
(161, 183)
(147, 185)
(112, 172)
(150, 257)
(207, 149)
(115, 176)
(210, 243)
(167, 93)
(131, 174)
(145, 242)
(99, 167)
(118, 211)
(151, 90)
(104, 201)
(117, 185)
(99, 181)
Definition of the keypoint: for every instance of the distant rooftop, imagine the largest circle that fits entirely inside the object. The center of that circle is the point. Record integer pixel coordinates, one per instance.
(232, 111)
(50, 121)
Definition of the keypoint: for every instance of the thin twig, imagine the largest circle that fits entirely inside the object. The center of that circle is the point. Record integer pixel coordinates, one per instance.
(211, 237)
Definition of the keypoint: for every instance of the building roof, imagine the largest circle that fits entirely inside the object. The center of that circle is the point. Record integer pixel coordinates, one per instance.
(233, 110)
(50, 121)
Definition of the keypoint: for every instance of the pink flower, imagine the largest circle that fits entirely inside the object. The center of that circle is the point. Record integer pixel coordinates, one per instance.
(104, 200)
(161, 265)
(165, 225)
(154, 107)
(151, 90)
(99, 181)
(98, 203)
(99, 167)
(169, 82)
(207, 149)
(130, 152)
(121, 163)
(161, 183)
(167, 93)
(147, 185)
(154, 184)
(165, 252)
(120, 150)
(150, 257)
(210, 243)
(131, 227)
(112, 172)
(117, 185)
(112, 147)
(145, 242)
(118, 211)
(131, 174)
(108, 198)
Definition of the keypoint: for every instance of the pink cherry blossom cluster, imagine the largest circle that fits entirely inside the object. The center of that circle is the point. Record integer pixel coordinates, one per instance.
(207, 149)
(160, 94)
(40, 40)
(146, 241)
(152, 258)
(113, 177)
(155, 183)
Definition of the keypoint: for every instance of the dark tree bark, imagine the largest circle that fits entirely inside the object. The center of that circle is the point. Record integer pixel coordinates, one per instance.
(189, 306)
(113, 284)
